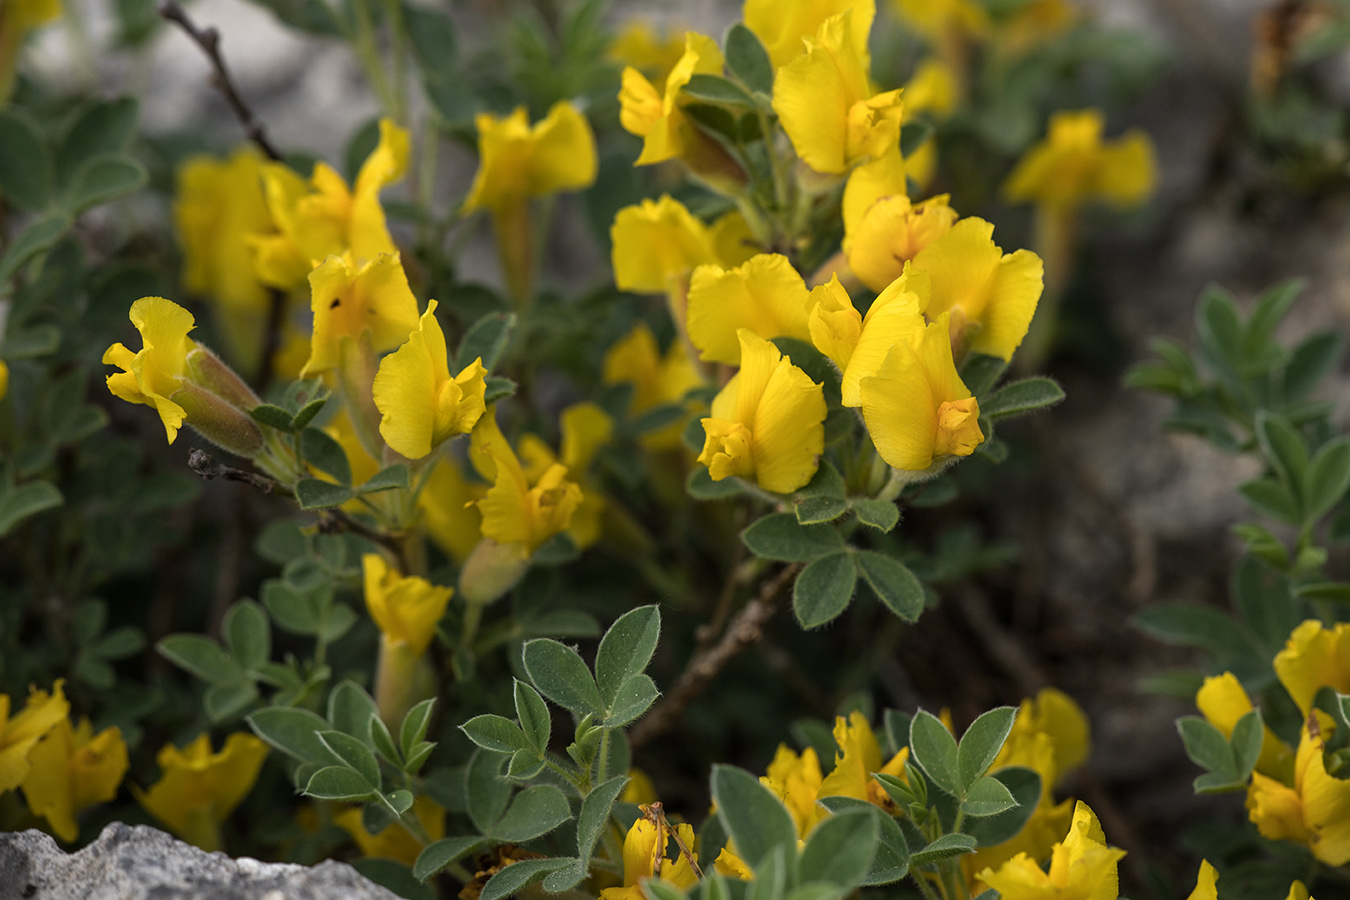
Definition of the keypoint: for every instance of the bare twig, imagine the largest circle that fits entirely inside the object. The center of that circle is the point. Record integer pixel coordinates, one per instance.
(276, 315)
(744, 631)
(209, 40)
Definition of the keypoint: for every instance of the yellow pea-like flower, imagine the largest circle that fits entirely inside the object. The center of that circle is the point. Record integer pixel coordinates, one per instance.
(420, 404)
(883, 230)
(1034, 23)
(351, 302)
(395, 842)
(1073, 164)
(585, 429)
(656, 114)
(73, 769)
(4, 379)
(765, 295)
(518, 161)
(825, 101)
(1206, 883)
(767, 424)
(17, 18)
(858, 759)
(936, 20)
(198, 789)
(639, 46)
(20, 733)
(645, 856)
(991, 295)
(783, 25)
(449, 512)
(155, 373)
(517, 510)
(1314, 810)
(323, 217)
(796, 780)
(920, 414)
(406, 608)
(656, 379)
(932, 91)
(1082, 866)
(858, 344)
(1313, 657)
(1298, 891)
(1222, 701)
(656, 244)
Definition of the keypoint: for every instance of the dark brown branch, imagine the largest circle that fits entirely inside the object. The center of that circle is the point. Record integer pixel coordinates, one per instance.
(744, 631)
(209, 40)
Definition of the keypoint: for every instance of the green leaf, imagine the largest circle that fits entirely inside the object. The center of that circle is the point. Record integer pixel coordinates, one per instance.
(825, 483)
(339, 783)
(354, 754)
(36, 238)
(351, 710)
(486, 792)
(535, 721)
(780, 537)
(1207, 747)
(1219, 327)
(325, 454)
(1335, 591)
(934, 750)
(1195, 625)
(119, 643)
(635, 696)
(1310, 363)
(1328, 477)
(294, 732)
(496, 388)
(840, 849)
(103, 126)
(306, 413)
(383, 741)
(980, 373)
(657, 889)
(717, 90)
(295, 611)
(19, 503)
(311, 493)
(812, 510)
(485, 340)
(981, 743)
(890, 863)
(880, 514)
(272, 416)
(1025, 786)
(432, 35)
(747, 60)
(102, 179)
(987, 797)
(520, 874)
(823, 589)
(247, 634)
(202, 657)
(626, 649)
(945, 847)
(401, 801)
(1248, 734)
(524, 765)
(751, 814)
(414, 726)
(226, 700)
(534, 811)
(560, 675)
(1022, 397)
(701, 486)
(495, 733)
(395, 476)
(32, 342)
(893, 582)
(1285, 448)
(442, 853)
(594, 814)
(25, 161)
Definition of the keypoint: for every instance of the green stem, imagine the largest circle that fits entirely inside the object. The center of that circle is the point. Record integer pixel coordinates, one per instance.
(604, 756)
(924, 887)
(369, 55)
(473, 616)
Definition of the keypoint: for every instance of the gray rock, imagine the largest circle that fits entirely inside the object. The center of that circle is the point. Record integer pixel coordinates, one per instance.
(143, 863)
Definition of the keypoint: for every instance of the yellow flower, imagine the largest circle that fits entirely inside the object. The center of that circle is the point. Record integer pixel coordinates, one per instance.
(656, 379)
(351, 301)
(1073, 164)
(639, 46)
(1314, 656)
(858, 759)
(1206, 883)
(783, 26)
(825, 101)
(19, 734)
(1034, 23)
(657, 116)
(882, 229)
(585, 429)
(639, 789)
(859, 345)
(322, 217)
(1314, 811)
(1082, 867)
(931, 89)
(17, 18)
(449, 512)
(656, 244)
(218, 204)
(406, 608)
(1222, 701)
(518, 161)
(920, 414)
(515, 509)
(732, 866)
(72, 769)
(991, 296)
(1298, 891)
(644, 856)
(4, 379)
(765, 296)
(153, 375)
(395, 842)
(420, 403)
(796, 780)
(935, 19)
(198, 789)
(767, 423)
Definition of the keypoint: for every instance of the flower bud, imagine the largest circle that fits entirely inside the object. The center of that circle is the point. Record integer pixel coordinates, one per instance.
(210, 372)
(491, 570)
(221, 423)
